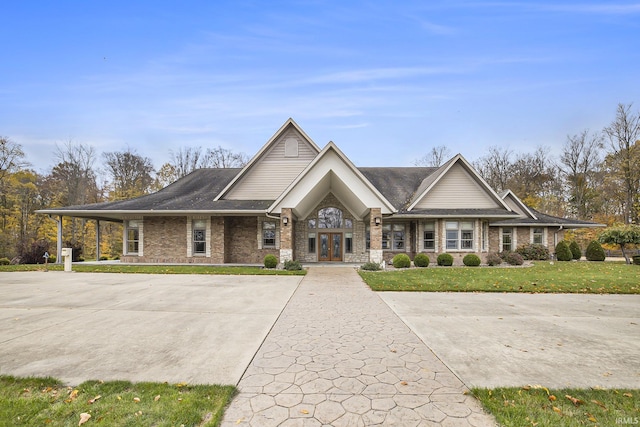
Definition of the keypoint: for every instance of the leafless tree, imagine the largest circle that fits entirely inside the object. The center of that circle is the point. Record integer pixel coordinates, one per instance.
(435, 158)
(496, 167)
(224, 158)
(582, 160)
(624, 138)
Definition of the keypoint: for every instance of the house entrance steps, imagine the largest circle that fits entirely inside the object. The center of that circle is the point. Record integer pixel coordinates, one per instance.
(339, 356)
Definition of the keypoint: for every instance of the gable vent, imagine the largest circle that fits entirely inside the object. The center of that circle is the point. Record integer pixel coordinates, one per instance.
(291, 147)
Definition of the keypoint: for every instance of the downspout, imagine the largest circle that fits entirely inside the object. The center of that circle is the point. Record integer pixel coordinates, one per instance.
(555, 235)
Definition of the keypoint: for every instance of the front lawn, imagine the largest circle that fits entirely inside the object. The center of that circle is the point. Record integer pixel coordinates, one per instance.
(156, 269)
(46, 401)
(539, 406)
(559, 277)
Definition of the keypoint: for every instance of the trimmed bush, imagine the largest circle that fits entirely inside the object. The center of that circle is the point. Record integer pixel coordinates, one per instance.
(471, 260)
(401, 261)
(292, 265)
(270, 261)
(636, 259)
(563, 253)
(370, 266)
(514, 258)
(595, 252)
(52, 259)
(493, 259)
(576, 252)
(421, 260)
(5, 261)
(534, 252)
(445, 260)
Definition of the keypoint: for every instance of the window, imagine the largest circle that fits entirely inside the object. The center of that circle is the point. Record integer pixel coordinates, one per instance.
(367, 234)
(429, 235)
(348, 223)
(330, 218)
(538, 236)
(507, 239)
(312, 243)
(199, 237)
(133, 236)
(398, 237)
(386, 236)
(311, 223)
(268, 234)
(485, 234)
(459, 235)
(348, 243)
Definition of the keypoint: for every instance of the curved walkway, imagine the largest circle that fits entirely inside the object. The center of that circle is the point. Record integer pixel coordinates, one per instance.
(339, 356)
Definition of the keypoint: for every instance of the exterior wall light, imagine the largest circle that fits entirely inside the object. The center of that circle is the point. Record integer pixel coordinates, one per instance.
(377, 220)
(285, 220)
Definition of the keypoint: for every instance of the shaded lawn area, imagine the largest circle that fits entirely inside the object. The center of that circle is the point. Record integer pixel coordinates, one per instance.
(539, 406)
(559, 277)
(46, 401)
(157, 269)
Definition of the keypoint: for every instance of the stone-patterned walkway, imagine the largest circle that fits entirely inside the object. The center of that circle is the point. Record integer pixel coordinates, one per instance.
(339, 356)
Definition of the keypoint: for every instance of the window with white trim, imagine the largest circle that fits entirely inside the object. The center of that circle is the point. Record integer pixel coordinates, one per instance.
(538, 236)
(398, 237)
(429, 236)
(268, 234)
(348, 243)
(199, 236)
(507, 239)
(133, 236)
(459, 235)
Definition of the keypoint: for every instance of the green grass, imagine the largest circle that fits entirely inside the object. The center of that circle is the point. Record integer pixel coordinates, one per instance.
(560, 277)
(47, 402)
(539, 406)
(156, 269)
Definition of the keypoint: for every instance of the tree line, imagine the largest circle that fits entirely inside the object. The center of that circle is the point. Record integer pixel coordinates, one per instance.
(80, 176)
(596, 177)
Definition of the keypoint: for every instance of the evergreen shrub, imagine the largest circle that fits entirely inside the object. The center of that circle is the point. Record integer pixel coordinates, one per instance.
(445, 260)
(563, 253)
(421, 260)
(401, 261)
(270, 261)
(595, 252)
(471, 260)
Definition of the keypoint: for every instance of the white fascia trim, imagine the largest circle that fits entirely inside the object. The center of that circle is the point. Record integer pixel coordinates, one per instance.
(263, 150)
(520, 203)
(470, 169)
(332, 146)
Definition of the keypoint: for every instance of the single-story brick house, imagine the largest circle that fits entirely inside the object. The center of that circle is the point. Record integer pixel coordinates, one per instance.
(297, 201)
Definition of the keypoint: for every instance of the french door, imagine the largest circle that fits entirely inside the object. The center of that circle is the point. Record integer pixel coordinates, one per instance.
(329, 246)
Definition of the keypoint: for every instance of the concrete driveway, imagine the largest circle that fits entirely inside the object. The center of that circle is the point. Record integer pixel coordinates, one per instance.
(137, 327)
(492, 340)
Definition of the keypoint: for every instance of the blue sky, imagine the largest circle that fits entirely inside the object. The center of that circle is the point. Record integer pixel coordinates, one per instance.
(385, 80)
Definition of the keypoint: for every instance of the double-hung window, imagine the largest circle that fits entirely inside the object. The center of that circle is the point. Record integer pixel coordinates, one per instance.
(133, 236)
(398, 237)
(268, 234)
(538, 236)
(507, 239)
(199, 232)
(459, 235)
(429, 236)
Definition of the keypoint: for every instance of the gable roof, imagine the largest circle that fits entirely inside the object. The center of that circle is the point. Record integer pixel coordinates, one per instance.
(430, 182)
(290, 123)
(508, 194)
(332, 171)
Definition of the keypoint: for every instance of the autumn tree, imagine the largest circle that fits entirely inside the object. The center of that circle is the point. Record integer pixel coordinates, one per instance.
(624, 160)
(11, 160)
(622, 236)
(129, 172)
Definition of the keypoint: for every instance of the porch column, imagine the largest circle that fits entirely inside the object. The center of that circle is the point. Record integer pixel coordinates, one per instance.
(217, 239)
(59, 241)
(97, 240)
(375, 236)
(286, 235)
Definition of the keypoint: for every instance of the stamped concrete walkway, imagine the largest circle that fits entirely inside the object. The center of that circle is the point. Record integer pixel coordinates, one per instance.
(339, 356)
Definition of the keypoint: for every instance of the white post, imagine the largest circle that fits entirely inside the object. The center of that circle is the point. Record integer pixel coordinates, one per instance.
(67, 253)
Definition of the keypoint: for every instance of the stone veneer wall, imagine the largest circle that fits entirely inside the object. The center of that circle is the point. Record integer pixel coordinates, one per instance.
(164, 240)
(241, 241)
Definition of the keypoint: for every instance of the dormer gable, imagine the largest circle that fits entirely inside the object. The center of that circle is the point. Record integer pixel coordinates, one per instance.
(287, 153)
(517, 205)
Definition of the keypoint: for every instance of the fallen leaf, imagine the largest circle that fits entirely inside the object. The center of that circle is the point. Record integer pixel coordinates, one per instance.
(404, 383)
(556, 409)
(393, 350)
(574, 400)
(155, 399)
(552, 398)
(304, 411)
(627, 394)
(592, 418)
(84, 417)
(600, 404)
(91, 401)
(239, 420)
(119, 398)
(136, 399)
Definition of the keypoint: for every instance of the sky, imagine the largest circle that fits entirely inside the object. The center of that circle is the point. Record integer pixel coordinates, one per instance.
(385, 80)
